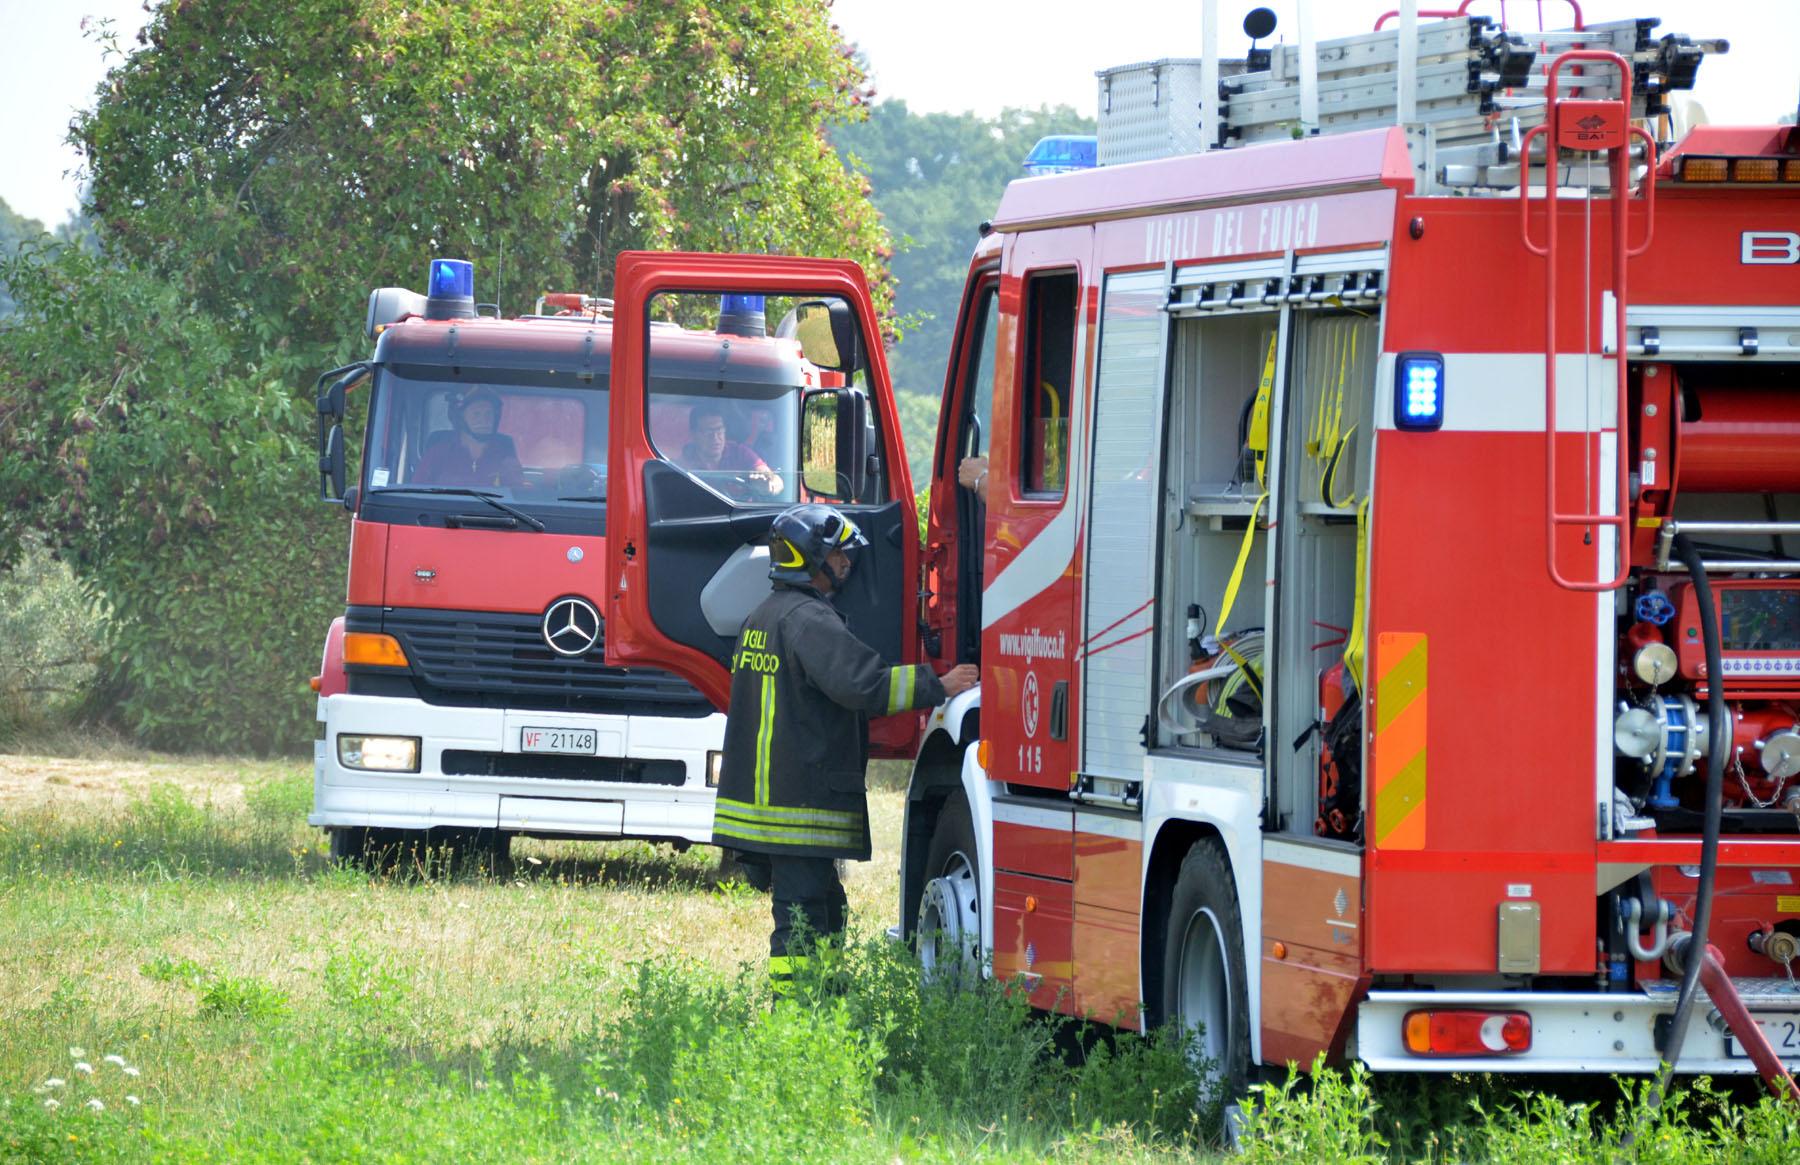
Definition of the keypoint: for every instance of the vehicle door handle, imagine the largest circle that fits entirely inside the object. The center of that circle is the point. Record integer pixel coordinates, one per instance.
(1059, 711)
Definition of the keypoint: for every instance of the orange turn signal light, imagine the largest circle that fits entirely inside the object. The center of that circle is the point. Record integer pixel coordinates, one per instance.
(1704, 169)
(364, 647)
(316, 683)
(981, 754)
(1756, 170)
(1464, 1032)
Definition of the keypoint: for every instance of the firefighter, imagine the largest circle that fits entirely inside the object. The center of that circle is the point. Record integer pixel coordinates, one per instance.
(803, 687)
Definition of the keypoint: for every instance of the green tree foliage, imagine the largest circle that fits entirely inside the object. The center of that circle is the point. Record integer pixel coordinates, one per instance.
(169, 474)
(254, 168)
(936, 178)
(281, 157)
(15, 229)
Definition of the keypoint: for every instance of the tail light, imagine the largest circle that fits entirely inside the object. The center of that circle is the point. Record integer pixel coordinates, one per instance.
(1467, 1033)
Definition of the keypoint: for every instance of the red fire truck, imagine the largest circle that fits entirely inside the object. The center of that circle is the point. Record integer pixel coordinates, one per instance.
(465, 695)
(1381, 576)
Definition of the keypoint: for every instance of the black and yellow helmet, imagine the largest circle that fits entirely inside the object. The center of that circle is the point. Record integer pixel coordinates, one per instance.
(802, 536)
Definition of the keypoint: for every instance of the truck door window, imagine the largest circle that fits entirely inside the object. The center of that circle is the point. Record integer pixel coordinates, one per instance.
(1049, 373)
(978, 417)
(736, 404)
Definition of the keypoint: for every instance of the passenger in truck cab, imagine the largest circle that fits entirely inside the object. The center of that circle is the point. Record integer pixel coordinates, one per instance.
(473, 452)
(729, 465)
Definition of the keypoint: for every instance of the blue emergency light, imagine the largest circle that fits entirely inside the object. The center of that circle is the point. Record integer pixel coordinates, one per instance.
(1062, 153)
(1419, 391)
(450, 290)
(742, 315)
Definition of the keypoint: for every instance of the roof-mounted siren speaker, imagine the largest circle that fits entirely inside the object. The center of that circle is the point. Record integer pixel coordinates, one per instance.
(450, 290)
(1258, 23)
(389, 305)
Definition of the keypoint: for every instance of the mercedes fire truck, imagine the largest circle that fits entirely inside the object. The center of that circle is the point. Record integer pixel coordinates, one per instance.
(1385, 576)
(465, 695)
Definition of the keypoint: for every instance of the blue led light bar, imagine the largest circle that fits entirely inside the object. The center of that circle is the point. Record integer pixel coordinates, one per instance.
(1419, 391)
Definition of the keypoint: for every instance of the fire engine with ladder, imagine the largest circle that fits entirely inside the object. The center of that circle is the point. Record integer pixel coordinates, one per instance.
(1385, 568)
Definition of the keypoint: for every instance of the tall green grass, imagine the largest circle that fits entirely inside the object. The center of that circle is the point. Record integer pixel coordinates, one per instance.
(187, 978)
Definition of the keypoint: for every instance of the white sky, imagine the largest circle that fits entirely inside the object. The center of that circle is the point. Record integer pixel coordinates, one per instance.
(937, 55)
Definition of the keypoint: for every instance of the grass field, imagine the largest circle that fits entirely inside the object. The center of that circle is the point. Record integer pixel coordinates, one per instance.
(171, 926)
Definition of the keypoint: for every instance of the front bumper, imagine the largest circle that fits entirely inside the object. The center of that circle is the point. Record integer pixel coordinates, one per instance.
(539, 805)
(1574, 1031)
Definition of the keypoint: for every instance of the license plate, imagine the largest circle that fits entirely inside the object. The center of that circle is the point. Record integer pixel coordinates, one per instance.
(572, 741)
(1782, 1029)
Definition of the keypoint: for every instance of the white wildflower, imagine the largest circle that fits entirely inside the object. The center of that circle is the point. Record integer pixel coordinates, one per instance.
(54, 1082)
(132, 1100)
(118, 1060)
(97, 1104)
(83, 1067)
(53, 1104)
(129, 1070)
(76, 1053)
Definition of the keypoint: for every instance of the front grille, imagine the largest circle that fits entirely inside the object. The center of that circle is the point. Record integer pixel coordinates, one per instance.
(460, 762)
(497, 660)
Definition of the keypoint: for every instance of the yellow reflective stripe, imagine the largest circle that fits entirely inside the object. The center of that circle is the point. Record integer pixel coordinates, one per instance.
(788, 964)
(902, 683)
(789, 814)
(773, 835)
(739, 820)
(764, 732)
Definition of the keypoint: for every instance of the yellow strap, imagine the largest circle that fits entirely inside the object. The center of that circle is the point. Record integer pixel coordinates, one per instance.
(1356, 642)
(1258, 437)
(1243, 559)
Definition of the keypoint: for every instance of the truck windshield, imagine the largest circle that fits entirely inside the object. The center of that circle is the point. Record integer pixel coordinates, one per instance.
(542, 441)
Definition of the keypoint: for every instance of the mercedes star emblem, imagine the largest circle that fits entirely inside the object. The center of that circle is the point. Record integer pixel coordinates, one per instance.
(571, 626)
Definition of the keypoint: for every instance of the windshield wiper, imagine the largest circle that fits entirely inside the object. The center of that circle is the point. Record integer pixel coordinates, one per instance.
(583, 498)
(492, 499)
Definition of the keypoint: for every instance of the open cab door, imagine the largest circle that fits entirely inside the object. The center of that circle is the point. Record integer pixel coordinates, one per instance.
(742, 385)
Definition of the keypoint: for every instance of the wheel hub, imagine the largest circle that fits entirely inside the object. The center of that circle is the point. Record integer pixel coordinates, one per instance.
(950, 922)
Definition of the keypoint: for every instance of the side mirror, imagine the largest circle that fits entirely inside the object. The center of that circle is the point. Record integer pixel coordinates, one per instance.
(828, 336)
(329, 401)
(331, 465)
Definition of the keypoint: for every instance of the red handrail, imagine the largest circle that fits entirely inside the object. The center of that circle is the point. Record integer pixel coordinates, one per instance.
(1622, 252)
(1463, 10)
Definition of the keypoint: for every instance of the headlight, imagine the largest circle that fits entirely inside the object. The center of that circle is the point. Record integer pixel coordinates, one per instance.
(387, 754)
(715, 764)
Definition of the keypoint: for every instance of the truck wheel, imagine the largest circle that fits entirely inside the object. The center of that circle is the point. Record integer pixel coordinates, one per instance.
(949, 935)
(350, 844)
(1204, 989)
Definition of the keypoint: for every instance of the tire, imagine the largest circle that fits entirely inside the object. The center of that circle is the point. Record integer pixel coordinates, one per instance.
(1204, 983)
(349, 844)
(949, 932)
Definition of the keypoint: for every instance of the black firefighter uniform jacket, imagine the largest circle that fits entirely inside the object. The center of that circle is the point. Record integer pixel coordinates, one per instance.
(803, 687)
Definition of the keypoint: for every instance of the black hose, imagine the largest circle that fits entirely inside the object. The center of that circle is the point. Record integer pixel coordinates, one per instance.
(1718, 744)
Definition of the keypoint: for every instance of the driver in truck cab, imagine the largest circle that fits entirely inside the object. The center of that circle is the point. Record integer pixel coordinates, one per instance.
(473, 452)
(803, 687)
(710, 452)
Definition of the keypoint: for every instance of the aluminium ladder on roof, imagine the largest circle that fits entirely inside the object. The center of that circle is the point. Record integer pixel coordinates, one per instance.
(1476, 89)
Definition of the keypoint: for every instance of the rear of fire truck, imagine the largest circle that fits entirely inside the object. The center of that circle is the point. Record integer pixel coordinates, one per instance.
(464, 696)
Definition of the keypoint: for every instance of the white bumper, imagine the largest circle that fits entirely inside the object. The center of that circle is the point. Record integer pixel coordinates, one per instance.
(1570, 1032)
(535, 805)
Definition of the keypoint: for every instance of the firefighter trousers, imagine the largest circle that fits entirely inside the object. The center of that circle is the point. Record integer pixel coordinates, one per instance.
(807, 889)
